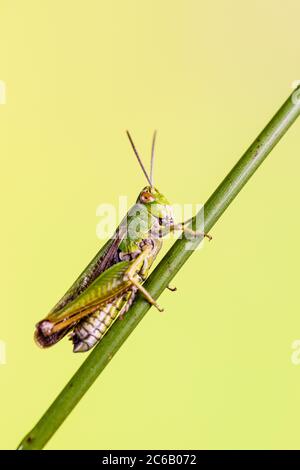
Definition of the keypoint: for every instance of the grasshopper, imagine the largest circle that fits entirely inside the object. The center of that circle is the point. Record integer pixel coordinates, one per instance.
(108, 286)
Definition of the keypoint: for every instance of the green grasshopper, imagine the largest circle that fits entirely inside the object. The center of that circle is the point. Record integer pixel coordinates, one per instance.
(108, 286)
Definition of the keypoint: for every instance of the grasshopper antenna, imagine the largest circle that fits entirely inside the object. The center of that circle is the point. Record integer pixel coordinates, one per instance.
(152, 158)
(139, 158)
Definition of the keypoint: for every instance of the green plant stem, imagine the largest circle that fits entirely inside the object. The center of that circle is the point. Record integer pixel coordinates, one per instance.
(161, 277)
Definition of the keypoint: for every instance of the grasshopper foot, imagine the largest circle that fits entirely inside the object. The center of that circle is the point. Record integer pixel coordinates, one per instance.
(160, 309)
(203, 234)
(172, 289)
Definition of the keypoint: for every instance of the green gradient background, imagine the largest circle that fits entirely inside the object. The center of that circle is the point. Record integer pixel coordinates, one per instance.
(214, 370)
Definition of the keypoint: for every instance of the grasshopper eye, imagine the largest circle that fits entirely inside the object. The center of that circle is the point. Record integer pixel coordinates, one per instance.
(146, 197)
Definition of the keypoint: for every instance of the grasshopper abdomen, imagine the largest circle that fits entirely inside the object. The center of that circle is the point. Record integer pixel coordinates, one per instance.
(90, 330)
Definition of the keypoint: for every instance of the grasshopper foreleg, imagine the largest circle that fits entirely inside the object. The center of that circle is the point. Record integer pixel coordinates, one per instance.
(196, 233)
(183, 228)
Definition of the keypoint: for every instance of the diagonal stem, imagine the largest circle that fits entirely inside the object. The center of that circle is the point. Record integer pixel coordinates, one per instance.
(162, 275)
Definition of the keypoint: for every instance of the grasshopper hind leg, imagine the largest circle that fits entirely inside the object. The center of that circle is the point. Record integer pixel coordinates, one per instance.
(89, 331)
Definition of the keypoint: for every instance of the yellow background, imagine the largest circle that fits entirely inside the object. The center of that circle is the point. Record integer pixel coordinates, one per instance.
(214, 370)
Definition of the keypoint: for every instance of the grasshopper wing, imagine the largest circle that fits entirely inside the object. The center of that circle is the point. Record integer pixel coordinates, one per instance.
(102, 260)
(105, 288)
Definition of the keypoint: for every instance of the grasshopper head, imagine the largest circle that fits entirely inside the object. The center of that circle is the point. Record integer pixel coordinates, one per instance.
(156, 204)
